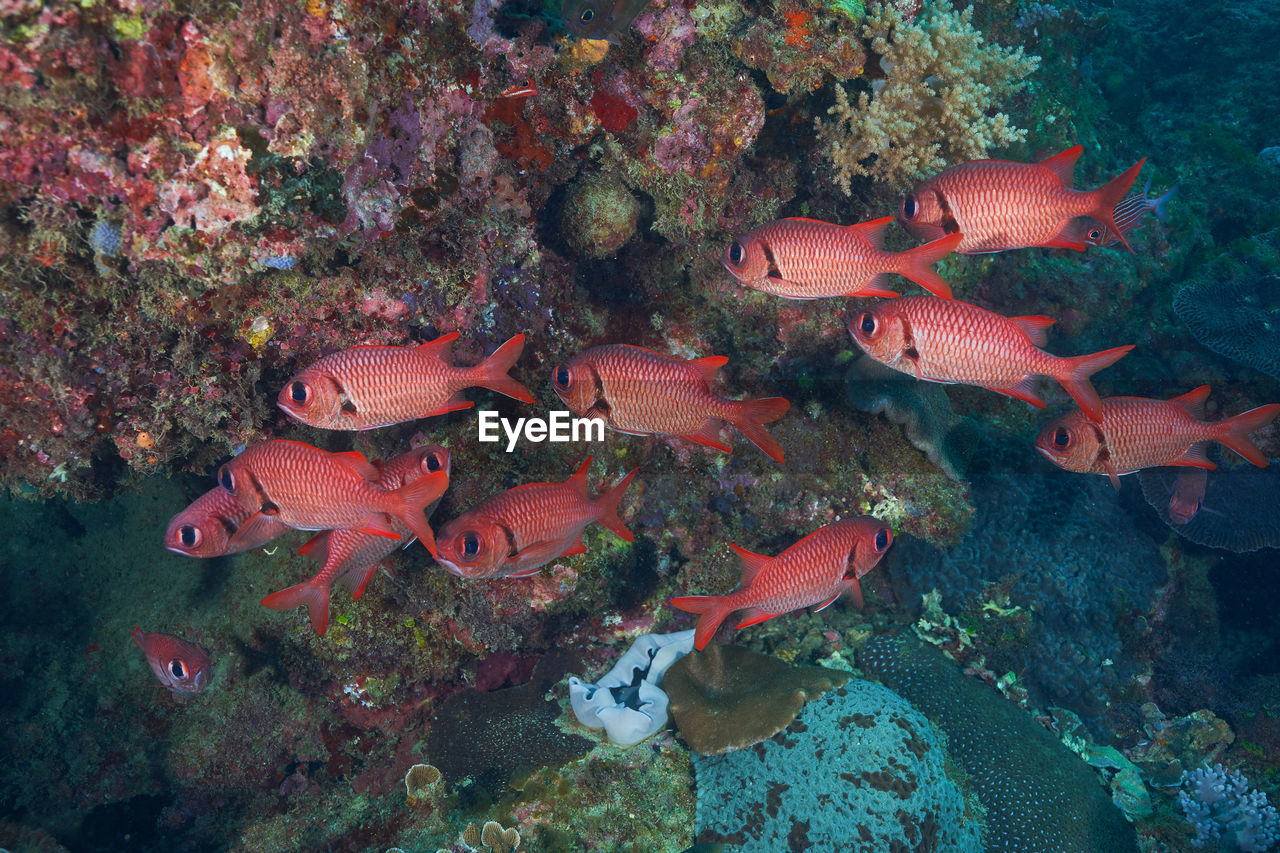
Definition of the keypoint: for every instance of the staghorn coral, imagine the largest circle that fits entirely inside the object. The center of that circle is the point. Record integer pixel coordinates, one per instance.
(932, 107)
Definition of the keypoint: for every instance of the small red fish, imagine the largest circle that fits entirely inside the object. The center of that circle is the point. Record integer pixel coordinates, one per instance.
(815, 571)
(312, 489)
(181, 666)
(348, 552)
(1128, 217)
(808, 259)
(999, 204)
(517, 532)
(640, 392)
(945, 340)
(1188, 495)
(215, 525)
(1138, 432)
(375, 386)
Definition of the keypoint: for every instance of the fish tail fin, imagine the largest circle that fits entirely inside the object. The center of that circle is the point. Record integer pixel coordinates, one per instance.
(1106, 197)
(492, 372)
(917, 264)
(607, 507)
(751, 417)
(1075, 378)
(711, 609)
(414, 498)
(1162, 202)
(313, 593)
(1234, 432)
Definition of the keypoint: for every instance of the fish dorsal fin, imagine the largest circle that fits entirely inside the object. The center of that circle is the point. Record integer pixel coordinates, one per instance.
(355, 459)
(709, 366)
(751, 564)
(438, 347)
(1036, 326)
(1064, 165)
(873, 231)
(1193, 401)
(578, 482)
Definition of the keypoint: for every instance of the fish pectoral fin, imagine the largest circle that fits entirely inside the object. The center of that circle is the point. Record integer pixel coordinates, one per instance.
(754, 616)
(258, 528)
(1068, 237)
(456, 403)
(709, 435)
(1196, 456)
(1024, 390)
(824, 605)
(377, 525)
(576, 548)
(1112, 474)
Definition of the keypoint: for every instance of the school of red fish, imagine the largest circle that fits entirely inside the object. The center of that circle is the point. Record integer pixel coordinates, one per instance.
(363, 510)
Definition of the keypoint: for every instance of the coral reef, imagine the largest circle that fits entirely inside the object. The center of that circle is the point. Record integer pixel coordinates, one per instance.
(934, 104)
(1219, 804)
(858, 769)
(1240, 511)
(1239, 319)
(599, 216)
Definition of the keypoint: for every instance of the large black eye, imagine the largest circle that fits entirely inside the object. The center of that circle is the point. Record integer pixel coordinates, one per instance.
(588, 15)
(1095, 235)
(909, 209)
(299, 393)
(867, 323)
(434, 461)
(470, 545)
(178, 670)
(883, 537)
(562, 377)
(1062, 438)
(736, 252)
(227, 481)
(189, 536)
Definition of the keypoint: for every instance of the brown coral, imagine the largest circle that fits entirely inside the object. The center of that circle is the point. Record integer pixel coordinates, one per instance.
(727, 697)
(422, 784)
(491, 838)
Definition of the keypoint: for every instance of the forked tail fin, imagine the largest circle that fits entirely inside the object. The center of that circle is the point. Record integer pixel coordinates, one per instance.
(751, 417)
(711, 609)
(314, 593)
(492, 372)
(1234, 432)
(414, 498)
(607, 507)
(1075, 378)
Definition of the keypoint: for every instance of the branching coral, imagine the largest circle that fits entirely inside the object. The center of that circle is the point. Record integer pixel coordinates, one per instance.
(932, 107)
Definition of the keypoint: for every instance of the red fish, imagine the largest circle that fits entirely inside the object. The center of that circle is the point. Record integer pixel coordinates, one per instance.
(1138, 432)
(815, 571)
(517, 532)
(215, 525)
(808, 259)
(375, 386)
(945, 340)
(308, 488)
(999, 204)
(348, 552)
(1188, 495)
(1128, 217)
(640, 392)
(181, 666)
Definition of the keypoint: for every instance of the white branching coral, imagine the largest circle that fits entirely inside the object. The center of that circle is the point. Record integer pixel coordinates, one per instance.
(930, 109)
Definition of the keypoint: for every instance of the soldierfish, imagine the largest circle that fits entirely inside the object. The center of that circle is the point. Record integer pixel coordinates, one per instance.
(517, 532)
(348, 554)
(945, 340)
(1188, 495)
(641, 392)
(808, 259)
(366, 387)
(999, 204)
(815, 571)
(1127, 214)
(312, 489)
(181, 665)
(1139, 432)
(215, 525)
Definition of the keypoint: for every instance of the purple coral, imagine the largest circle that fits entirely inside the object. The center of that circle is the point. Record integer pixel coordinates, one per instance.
(1219, 804)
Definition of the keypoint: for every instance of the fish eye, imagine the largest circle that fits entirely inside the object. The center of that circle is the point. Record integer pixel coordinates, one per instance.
(226, 480)
(1062, 438)
(562, 377)
(909, 208)
(883, 537)
(470, 545)
(299, 392)
(189, 535)
(178, 670)
(434, 461)
(867, 324)
(588, 15)
(1095, 234)
(736, 253)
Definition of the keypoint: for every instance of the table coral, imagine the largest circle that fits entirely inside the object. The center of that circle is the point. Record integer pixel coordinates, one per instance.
(934, 104)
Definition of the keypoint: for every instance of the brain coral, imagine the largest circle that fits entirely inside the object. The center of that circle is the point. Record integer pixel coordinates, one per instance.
(1239, 319)
(859, 770)
(1039, 797)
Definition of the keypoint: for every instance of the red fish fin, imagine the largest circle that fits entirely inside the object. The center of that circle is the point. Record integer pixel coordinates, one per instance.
(1112, 474)
(139, 638)
(1234, 432)
(917, 264)
(492, 372)
(607, 507)
(1106, 197)
(377, 525)
(528, 573)
(1036, 327)
(1075, 378)
(578, 482)
(256, 530)
(1064, 165)
(1193, 401)
(317, 546)
(1197, 456)
(876, 287)
(830, 601)
(873, 230)
(355, 580)
(1024, 390)
(439, 347)
(576, 548)
(415, 497)
(314, 594)
(753, 414)
(355, 460)
(752, 564)
(710, 436)
(855, 592)
(456, 403)
(709, 366)
(1071, 235)
(754, 616)
(711, 609)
